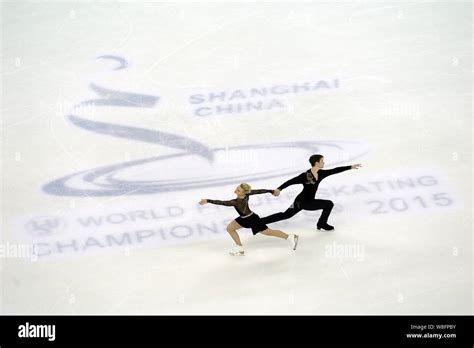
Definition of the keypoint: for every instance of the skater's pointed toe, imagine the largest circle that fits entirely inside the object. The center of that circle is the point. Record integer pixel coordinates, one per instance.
(293, 239)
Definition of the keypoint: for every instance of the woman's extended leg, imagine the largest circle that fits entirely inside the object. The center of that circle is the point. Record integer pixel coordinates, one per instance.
(292, 238)
(275, 233)
(232, 229)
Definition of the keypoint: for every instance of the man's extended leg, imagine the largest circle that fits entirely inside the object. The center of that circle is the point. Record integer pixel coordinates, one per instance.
(291, 211)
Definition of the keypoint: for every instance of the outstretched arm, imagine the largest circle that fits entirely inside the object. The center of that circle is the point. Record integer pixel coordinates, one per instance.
(340, 169)
(257, 192)
(230, 203)
(296, 180)
(335, 170)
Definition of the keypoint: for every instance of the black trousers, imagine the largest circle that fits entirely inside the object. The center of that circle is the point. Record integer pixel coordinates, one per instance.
(315, 204)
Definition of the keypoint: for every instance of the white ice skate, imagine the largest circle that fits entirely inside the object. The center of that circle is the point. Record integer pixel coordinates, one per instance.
(237, 251)
(293, 239)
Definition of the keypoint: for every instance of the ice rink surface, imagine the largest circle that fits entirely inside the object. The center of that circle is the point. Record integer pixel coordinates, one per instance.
(117, 118)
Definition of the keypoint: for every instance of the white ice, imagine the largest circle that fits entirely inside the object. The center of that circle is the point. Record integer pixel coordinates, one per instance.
(396, 96)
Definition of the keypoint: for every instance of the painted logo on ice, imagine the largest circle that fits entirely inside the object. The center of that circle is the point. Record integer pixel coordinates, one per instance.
(210, 166)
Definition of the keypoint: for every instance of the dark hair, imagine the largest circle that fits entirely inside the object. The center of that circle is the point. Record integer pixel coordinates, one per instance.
(315, 158)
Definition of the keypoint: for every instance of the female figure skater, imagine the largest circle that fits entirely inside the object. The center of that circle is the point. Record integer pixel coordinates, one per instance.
(248, 219)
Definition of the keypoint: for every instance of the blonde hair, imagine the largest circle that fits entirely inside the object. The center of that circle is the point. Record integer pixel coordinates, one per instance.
(246, 187)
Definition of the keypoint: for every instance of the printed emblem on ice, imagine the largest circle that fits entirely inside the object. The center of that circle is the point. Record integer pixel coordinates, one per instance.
(45, 225)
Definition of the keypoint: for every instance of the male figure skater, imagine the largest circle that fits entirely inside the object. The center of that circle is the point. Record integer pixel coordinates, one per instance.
(305, 200)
